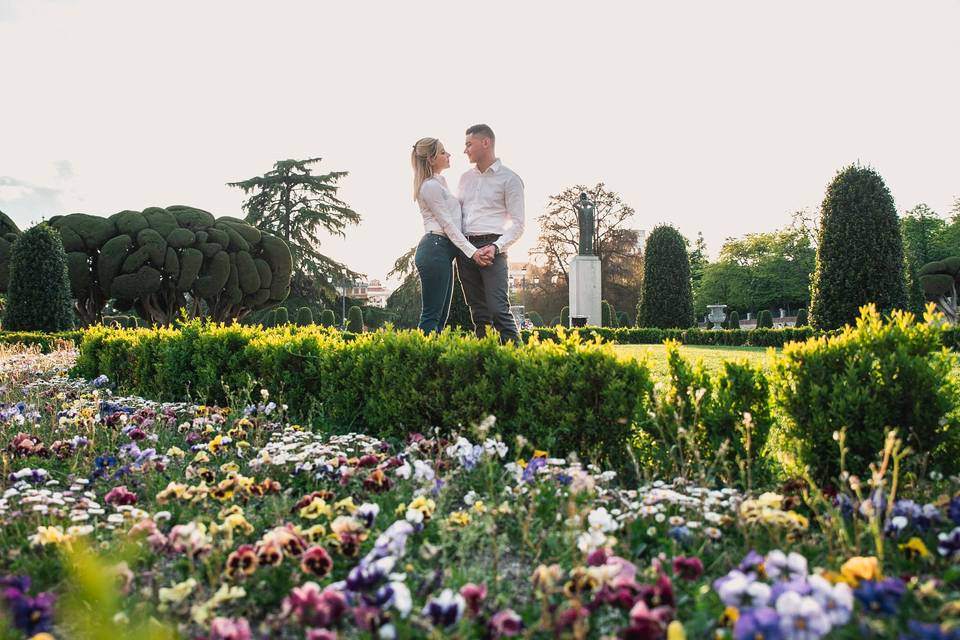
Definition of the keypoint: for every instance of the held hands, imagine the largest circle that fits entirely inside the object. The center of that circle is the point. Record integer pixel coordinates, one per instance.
(484, 257)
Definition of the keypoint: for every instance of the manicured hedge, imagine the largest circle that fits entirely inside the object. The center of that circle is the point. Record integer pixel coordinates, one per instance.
(564, 395)
(722, 337)
(46, 341)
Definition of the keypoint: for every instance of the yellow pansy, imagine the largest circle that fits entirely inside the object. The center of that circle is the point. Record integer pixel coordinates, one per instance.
(914, 547)
(460, 518)
(317, 507)
(860, 568)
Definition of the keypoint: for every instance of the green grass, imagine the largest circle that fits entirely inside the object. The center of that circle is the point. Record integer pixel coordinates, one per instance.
(712, 357)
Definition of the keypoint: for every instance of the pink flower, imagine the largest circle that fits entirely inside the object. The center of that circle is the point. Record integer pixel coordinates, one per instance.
(321, 634)
(569, 617)
(598, 558)
(230, 629)
(474, 595)
(506, 623)
(687, 568)
(314, 607)
(316, 561)
(120, 496)
(647, 623)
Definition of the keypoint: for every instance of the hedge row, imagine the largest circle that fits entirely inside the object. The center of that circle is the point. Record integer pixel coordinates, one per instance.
(564, 395)
(46, 341)
(721, 337)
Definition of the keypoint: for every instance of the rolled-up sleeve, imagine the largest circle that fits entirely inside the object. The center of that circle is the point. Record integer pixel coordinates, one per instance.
(440, 203)
(513, 196)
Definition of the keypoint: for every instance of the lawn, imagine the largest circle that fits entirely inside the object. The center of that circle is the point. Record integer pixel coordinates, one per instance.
(712, 356)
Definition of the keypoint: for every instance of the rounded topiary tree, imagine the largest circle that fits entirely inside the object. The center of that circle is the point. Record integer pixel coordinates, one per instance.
(734, 321)
(355, 320)
(38, 297)
(623, 320)
(555, 322)
(304, 316)
(666, 299)
(859, 250)
(765, 319)
(565, 316)
(270, 318)
(327, 318)
(801, 318)
(283, 317)
(608, 317)
(535, 319)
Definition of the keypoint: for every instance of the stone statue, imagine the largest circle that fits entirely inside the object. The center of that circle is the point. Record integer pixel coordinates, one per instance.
(585, 219)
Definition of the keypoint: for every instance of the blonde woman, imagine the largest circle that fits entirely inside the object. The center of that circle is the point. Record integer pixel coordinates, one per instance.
(444, 239)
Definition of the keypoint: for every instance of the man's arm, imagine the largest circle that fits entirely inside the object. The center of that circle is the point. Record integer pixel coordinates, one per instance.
(513, 195)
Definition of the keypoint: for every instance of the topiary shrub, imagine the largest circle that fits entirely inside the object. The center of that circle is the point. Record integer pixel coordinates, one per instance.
(555, 322)
(327, 318)
(765, 319)
(733, 322)
(666, 298)
(282, 317)
(38, 297)
(355, 320)
(859, 250)
(565, 316)
(270, 318)
(871, 377)
(608, 317)
(801, 318)
(304, 316)
(535, 319)
(623, 320)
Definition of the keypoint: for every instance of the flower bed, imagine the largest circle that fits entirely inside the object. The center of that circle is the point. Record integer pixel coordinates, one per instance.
(229, 522)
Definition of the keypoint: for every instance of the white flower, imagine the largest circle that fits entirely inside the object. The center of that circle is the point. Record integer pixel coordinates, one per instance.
(404, 470)
(422, 472)
(470, 498)
(740, 591)
(591, 541)
(601, 520)
(402, 601)
(801, 617)
(414, 516)
(835, 600)
(787, 567)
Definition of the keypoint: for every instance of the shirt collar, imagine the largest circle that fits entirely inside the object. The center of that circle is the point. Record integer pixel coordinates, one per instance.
(492, 168)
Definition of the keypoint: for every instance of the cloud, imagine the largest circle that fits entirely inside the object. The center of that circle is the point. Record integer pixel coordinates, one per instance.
(28, 203)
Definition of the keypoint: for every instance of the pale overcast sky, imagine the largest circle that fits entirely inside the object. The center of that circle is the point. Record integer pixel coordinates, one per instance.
(721, 117)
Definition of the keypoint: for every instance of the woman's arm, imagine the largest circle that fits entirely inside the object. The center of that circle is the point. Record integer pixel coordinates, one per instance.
(439, 202)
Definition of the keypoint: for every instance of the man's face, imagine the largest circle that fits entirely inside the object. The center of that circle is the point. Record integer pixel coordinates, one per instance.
(475, 147)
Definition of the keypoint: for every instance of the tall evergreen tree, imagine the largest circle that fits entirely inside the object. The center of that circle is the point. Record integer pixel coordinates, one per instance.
(296, 205)
(859, 250)
(38, 296)
(666, 299)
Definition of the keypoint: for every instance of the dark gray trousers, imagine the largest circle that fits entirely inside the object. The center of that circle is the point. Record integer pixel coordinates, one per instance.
(485, 289)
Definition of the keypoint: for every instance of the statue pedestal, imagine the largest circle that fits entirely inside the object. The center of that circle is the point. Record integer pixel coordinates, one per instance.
(585, 289)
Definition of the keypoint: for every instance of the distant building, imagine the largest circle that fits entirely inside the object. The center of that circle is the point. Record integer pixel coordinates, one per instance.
(371, 293)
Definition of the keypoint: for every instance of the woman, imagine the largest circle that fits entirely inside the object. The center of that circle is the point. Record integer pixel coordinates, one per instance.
(444, 234)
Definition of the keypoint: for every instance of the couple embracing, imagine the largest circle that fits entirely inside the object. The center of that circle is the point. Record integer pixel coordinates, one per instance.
(475, 228)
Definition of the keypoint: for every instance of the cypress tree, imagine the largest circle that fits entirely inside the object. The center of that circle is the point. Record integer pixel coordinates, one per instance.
(355, 320)
(666, 299)
(565, 316)
(733, 322)
(859, 250)
(38, 296)
(608, 317)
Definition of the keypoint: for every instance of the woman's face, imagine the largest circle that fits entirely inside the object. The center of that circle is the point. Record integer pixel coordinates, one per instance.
(440, 161)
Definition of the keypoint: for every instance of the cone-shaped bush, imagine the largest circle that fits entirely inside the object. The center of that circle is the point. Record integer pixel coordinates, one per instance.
(327, 318)
(270, 318)
(733, 322)
(765, 319)
(859, 250)
(535, 318)
(608, 317)
(304, 316)
(623, 320)
(801, 318)
(355, 320)
(283, 317)
(666, 299)
(555, 322)
(38, 297)
(565, 316)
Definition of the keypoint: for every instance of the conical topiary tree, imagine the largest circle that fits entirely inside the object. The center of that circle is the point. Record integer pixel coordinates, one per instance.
(327, 318)
(565, 316)
(270, 318)
(666, 299)
(765, 319)
(283, 317)
(801, 318)
(535, 319)
(733, 322)
(38, 296)
(304, 316)
(859, 250)
(608, 317)
(623, 320)
(555, 322)
(355, 320)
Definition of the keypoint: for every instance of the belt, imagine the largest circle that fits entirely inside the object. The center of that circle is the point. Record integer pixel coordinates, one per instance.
(489, 237)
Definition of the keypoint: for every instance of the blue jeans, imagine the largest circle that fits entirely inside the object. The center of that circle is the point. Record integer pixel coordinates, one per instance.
(434, 261)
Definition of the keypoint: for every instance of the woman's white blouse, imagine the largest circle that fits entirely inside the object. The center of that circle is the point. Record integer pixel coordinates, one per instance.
(441, 213)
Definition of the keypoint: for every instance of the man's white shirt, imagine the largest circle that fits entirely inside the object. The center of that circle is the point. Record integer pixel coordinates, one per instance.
(492, 202)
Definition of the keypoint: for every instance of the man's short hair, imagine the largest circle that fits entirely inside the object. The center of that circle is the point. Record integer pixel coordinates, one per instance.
(482, 131)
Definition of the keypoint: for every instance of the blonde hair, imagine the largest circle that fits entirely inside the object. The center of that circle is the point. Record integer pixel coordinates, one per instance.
(423, 152)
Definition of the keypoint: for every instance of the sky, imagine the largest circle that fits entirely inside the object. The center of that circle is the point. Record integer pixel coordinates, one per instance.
(715, 117)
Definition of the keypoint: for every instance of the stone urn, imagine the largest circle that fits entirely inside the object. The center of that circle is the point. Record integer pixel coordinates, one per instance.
(716, 314)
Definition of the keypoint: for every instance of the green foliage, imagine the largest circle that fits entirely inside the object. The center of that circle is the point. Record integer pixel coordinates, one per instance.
(376, 318)
(355, 320)
(666, 299)
(801, 318)
(304, 316)
(565, 316)
(555, 322)
(46, 341)
(764, 319)
(391, 383)
(923, 234)
(270, 318)
(860, 256)
(608, 316)
(535, 318)
(282, 317)
(727, 337)
(733, 322)
(871, 377)
(39, 292)
(328, 318)
(623, 320)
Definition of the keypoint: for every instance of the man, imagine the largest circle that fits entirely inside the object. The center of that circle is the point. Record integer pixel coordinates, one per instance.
(491, 196)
